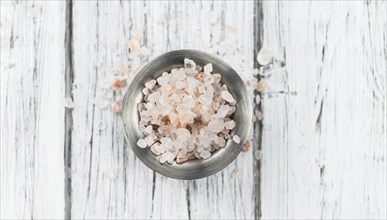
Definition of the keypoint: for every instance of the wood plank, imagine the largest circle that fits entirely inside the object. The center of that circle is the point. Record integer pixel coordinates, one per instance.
(32, 110)
(107, 179)
(324, 149)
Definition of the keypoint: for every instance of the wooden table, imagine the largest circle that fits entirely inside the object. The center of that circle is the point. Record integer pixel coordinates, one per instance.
(322, 137)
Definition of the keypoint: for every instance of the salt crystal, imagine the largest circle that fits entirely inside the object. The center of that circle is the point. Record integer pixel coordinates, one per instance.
(264, 56)
(190, 66)
(216, 125)
(217, 77)
(145, 91)
(117, 106)
(207, 69)
(227, 96)
(236, 139)
(155, 150)
(68, 102)
(163, 81)
(149, 140)
(205, 154)
(179, 74)
(261, 85)
(148, 129)
(257, 99)
(134, 46)
(108, 94)
(222, 111)
(153, 97)
(141, 143)
(229, 125)
(235, 173)
(106, 82)
(258, 114)
(101, 103)
(258, 155)
(150, 84)
(255, 72)
(231, 110)
(246, 146)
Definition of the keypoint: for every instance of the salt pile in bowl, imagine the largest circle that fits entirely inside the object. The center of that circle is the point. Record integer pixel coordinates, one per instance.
(186, 114)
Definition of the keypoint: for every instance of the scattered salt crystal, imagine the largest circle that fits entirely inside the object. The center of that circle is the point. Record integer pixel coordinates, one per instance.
(261, 85)
(118, 84)
(134, 46)
(236, 139)
(255, 72)
(68, 102)
(258, 114)
(264, 56)
(108, 94)
(258, 155)
(109, 174)
(227, 96)
(101, 103)
(257, 99)
(235, 173)
(141, 143)
(107, 82)
(145, 51)
(117, 106)
(150, 84)
(246, 146)
(207, 69)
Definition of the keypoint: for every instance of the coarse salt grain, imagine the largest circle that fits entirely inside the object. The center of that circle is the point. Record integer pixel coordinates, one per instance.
(141, 143)
(227, 96)
(236, 139)
(246, 146)
(68, 102)
(264, 56)
(261, 85)
(257, 99)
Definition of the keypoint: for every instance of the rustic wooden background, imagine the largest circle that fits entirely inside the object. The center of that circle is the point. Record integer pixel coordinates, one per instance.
(322, 137)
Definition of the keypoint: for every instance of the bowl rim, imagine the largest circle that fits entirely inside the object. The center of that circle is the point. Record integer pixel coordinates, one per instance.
(208, 166)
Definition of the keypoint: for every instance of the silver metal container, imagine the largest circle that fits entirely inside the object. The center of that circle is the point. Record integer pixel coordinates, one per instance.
(198, 168)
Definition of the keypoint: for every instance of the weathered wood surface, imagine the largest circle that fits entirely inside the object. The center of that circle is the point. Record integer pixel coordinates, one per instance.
(324, 149)
(107, 180)
(32, 113)
(323, 146)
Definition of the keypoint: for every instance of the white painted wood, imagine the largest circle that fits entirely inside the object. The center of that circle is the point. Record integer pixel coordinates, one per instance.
(32, 112)
(107, 180)
(324, 149)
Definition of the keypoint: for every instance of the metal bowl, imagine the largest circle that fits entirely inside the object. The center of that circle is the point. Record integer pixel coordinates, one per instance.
(192, 169)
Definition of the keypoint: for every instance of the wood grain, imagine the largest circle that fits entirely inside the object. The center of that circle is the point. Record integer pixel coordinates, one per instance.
(107, 180)
(324, 149)
(32, 111)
